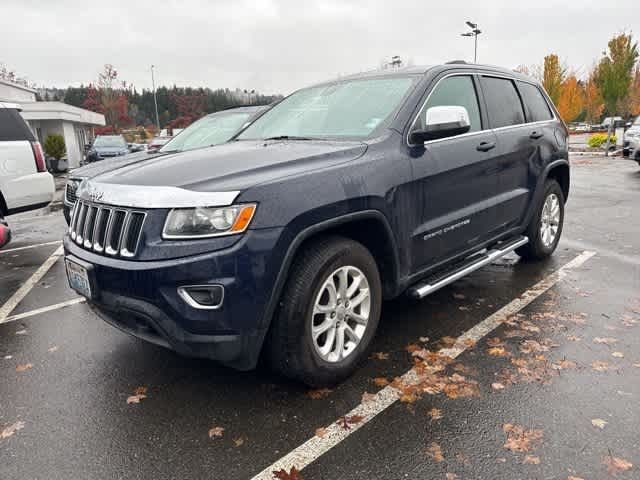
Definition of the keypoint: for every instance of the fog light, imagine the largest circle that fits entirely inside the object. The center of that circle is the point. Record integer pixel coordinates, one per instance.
(208, 297)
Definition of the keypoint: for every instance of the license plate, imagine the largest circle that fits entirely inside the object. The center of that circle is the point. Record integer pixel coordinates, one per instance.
(78, 278)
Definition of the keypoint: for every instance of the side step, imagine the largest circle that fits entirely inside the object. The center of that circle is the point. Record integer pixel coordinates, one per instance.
(472, 264)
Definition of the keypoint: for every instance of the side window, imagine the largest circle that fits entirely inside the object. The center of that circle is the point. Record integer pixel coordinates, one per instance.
(13, 127)
(503, 102)
(537, 107)
(455, 91)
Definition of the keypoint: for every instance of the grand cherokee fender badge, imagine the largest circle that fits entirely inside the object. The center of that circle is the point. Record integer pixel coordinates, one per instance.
(447, 229)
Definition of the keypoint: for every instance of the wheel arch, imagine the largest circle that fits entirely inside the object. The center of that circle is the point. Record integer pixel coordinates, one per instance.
(4, 210)
(559, 171)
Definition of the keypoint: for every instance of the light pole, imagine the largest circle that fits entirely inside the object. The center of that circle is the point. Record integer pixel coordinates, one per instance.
(475, 31)
(155, 100)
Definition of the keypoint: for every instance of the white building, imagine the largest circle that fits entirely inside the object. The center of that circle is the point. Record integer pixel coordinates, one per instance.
(47, 118)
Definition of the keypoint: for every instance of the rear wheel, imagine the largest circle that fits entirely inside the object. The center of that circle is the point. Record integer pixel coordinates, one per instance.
(328, 313)
(546, 225)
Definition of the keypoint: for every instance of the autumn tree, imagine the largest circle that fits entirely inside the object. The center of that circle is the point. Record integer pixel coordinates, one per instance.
(553, 76)
(615, 72)
(593, 103)
(571, 102)
(634, 94)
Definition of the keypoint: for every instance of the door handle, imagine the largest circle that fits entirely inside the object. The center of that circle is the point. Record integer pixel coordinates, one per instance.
(486, 146)
(536, 135)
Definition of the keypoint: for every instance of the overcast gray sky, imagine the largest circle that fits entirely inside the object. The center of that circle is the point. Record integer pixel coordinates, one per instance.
(276, 46)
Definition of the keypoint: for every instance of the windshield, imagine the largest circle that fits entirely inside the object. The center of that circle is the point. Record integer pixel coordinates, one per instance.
(347, 109)
(210, 130)
(109, 142)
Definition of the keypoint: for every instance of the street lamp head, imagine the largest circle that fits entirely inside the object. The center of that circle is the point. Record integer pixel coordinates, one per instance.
(468, 34)
(472, 25)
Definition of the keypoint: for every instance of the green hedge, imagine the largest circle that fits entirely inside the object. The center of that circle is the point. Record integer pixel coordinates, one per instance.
(598, 140)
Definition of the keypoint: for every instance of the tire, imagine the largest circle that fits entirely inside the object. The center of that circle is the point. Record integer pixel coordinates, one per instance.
(291, 347)
(539, 246)
(5, 232)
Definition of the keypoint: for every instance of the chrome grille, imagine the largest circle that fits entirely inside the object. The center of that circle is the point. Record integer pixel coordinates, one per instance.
(113, 231)
(70, 191)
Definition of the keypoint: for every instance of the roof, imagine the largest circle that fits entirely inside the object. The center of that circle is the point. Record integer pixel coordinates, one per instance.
(60, 111)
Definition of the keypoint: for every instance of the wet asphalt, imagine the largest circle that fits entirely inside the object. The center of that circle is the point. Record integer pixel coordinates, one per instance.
(78, 424)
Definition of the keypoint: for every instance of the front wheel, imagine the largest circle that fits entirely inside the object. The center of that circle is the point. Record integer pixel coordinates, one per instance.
(546, 225)
(328, 314)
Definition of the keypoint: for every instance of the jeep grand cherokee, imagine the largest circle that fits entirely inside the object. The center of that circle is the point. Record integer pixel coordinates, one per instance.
(286, 240)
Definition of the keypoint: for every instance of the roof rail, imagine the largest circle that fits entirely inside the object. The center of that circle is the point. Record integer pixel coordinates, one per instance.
(456, 62)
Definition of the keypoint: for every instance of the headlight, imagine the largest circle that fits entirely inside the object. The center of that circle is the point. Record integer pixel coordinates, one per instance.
(203, 222)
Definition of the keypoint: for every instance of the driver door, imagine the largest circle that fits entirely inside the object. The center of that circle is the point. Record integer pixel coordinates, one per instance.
(455, 180)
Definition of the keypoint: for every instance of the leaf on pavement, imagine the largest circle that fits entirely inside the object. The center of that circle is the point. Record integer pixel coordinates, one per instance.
(11, 429)
(321, 432)
(531, 460)
(435, 452)
(138, 394)
(598, 422)
(498, 352)
(435, 413)
(447, 341)
(23, 367)
(52, 349)
(381, 381)
(617, 354)
(600, 366)
(520, 439)
(571, 477)
(459, 296)
(380, 356)
(216, 432)
(413, 347)
(495, 342)
(450, 476)
(238, 442)
(22, 332)
(346, 421)
(140, 391)
(423, 339)
(605, 340)
(563, 364)
(573, 338)
(282, 474)
(319, 393)
(616, 465)
(368, 397)
(531, 346)
(497, 386)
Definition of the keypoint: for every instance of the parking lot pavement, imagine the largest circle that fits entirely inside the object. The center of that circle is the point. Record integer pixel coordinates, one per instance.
(553, 393)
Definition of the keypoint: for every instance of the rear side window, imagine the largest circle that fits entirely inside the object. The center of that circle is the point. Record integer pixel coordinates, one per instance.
(455, 91)
(13, 126)
(503, 102)
(537, 107)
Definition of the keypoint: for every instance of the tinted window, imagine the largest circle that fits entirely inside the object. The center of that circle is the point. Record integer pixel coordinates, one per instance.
(107, 141)
(456, 91)
(536, 104)
(352, 108)
(503, 103)
(13, 127)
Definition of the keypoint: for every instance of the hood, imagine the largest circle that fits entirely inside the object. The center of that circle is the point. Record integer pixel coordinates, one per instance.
(235, 165)
(97, 168)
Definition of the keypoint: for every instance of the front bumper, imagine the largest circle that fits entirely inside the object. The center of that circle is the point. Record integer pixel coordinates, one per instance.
(631, 148)
(141, 297)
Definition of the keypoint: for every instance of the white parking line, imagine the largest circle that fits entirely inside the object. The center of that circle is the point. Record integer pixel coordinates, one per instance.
(315, 447)
(17, 249)
(26, 287)
(38, 311)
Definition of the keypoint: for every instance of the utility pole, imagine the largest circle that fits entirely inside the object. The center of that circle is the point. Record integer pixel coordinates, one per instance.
(475, 31)
(155, 100)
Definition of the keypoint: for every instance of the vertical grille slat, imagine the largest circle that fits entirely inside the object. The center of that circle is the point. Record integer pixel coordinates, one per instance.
(106, 230)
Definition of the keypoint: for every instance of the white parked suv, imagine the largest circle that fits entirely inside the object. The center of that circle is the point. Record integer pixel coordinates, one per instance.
(25, 183)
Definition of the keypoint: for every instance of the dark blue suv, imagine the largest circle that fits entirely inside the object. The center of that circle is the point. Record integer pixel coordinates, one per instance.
(286, 240)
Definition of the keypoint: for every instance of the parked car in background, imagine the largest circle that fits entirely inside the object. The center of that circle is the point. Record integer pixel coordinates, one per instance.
(25, 183)
(631, 145)
(136, 147)
(285, 241)
(107, 146)
(211, 130)
(582, 128)
(609, 121)
(156, 143)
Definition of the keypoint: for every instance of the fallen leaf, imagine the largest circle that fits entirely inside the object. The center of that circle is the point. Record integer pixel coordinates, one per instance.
(598, 422)
(435, 413)
(497, 386)
(605, 340)
(573, 338)
(600, 366)
(435, 452)
(531, 460)
(520, 439)
(412, 347)
(498, 352)
(563, 364)
(346, 421)
(447, 341)
(617, 354)
(469, 342)
(23, 367)
(319, 393)
(135, 398)
(238, 441)
(140, 391)
(459, 296)
(52, 349)
(282, 474)
(381, 381)
(368, 397)
(531, 346)
(11, 429)
(495, 342)
(380, 356)
(423, 339)
(8, 357)
(637, 365)
(216, 432)
(616, 465)
(450, 476)
(464, 308)
(321, 432)
(21, 332)
(571, 477)
(462, 458)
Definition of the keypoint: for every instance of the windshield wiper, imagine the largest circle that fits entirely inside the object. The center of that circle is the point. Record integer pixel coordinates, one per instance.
(288, 137)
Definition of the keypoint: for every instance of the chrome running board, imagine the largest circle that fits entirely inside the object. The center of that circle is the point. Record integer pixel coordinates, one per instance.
(424, 288)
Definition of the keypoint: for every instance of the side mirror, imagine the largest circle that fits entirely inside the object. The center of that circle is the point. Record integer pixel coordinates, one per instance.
(441, 122)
